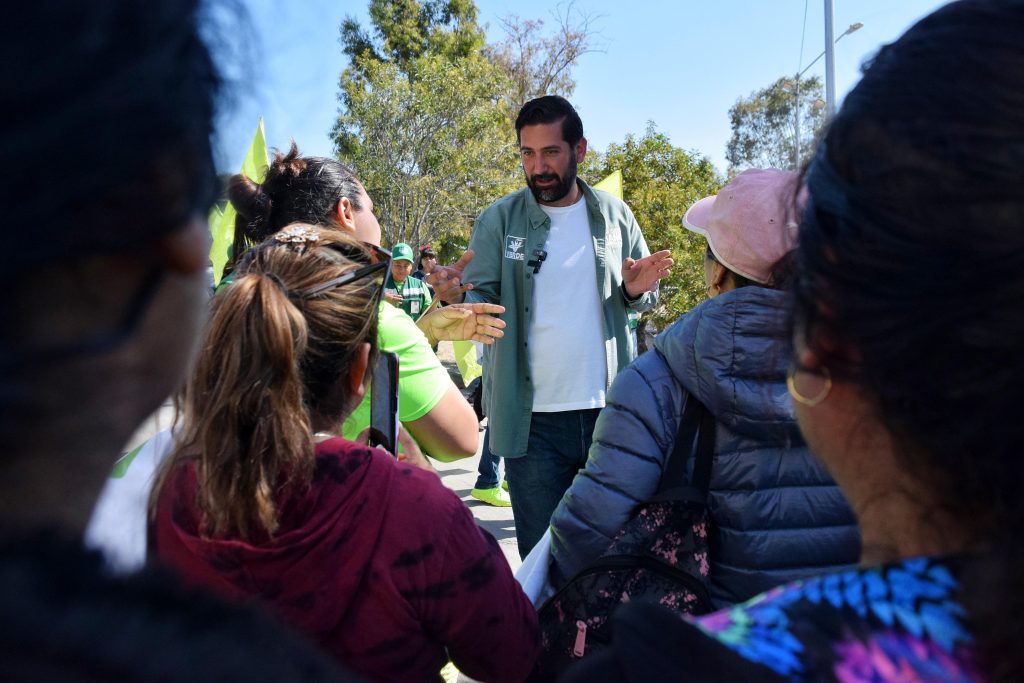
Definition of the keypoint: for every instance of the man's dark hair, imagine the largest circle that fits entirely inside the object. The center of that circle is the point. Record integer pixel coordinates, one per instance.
(549, 109)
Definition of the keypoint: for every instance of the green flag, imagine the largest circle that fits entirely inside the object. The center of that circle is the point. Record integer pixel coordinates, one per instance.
(465, 358)
(612, 184)
(222, 223)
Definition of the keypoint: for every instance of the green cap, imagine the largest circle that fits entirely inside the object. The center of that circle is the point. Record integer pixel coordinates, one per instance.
(401, 252)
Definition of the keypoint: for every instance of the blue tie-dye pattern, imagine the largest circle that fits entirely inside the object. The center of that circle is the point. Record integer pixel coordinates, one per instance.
(915, 598)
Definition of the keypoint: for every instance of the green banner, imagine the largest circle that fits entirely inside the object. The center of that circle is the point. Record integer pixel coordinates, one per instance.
(222, 223)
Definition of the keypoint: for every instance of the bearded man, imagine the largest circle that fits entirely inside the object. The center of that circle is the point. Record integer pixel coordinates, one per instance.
(567, 262)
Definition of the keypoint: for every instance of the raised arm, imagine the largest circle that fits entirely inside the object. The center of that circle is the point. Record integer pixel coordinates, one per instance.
(430, 405)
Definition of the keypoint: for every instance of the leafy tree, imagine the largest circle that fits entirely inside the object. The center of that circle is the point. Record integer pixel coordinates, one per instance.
(538, 63)
(403, 30)
(764, 130)
(422, 118)
(431, 144)
(660, 181)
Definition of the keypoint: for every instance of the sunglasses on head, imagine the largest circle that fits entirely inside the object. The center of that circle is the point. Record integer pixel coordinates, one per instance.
(378, 263)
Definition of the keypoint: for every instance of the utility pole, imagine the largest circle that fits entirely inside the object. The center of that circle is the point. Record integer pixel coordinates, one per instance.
(830, 85)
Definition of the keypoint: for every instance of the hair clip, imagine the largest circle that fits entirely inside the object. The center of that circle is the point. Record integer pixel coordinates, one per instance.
(297, 234)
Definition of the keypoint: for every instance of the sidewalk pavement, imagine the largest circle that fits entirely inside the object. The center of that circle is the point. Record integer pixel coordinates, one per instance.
(460, 476)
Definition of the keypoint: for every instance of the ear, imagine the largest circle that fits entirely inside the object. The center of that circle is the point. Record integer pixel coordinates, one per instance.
(581, 150)
(806, 359)
(185, 251)
(357, 372)
(829, 350)
(719, 276)
(344, 214)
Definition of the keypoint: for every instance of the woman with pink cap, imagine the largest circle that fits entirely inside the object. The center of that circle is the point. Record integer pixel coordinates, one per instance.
(775, 514)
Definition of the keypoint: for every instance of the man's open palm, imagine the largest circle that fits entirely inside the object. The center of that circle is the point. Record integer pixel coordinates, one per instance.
(643, 275)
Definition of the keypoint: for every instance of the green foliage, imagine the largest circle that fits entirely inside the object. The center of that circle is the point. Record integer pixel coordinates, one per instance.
(660, 181)
(764, 125)
(431, 144)
(404, 30)
(422, 119)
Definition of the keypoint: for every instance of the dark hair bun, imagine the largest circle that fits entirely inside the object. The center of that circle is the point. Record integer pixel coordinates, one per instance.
(249, 199)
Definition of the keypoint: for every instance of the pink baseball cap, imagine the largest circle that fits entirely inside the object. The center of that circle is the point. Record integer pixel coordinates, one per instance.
(751, 223)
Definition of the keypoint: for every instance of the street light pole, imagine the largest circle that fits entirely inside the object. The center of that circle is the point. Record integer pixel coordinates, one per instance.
(853, 27)
(830, 61)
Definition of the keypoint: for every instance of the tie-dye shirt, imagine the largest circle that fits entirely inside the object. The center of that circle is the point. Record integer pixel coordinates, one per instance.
(898, 622)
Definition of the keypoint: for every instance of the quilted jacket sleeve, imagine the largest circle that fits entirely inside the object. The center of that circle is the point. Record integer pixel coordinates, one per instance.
(633, 435)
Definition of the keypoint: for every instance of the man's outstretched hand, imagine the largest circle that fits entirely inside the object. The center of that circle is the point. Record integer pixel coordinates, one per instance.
(447, 280)
(458, 322)
(643, 275)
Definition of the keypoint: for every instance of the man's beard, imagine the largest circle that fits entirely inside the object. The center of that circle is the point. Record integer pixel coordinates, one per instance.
(555, 192)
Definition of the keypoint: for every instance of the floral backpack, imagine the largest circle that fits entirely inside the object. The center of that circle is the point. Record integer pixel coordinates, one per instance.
(660, 555)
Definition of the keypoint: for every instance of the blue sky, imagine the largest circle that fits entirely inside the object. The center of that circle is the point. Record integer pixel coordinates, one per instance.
(679, 63)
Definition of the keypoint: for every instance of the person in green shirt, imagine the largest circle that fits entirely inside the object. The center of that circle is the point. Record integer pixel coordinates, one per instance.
(325, 192)
(401, 288)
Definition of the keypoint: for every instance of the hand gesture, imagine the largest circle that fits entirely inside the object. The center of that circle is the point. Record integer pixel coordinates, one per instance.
(463, 322)
(447, 280)
(393, 299)
(643, 275)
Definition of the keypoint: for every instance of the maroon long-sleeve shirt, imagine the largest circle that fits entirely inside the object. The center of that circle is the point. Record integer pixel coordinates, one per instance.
(377, 561)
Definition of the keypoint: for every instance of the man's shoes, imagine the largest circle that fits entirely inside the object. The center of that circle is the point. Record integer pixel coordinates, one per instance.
(504, 484)
(493, 496)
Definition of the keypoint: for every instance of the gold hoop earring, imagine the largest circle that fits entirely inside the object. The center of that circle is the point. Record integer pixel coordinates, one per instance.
(812, 401)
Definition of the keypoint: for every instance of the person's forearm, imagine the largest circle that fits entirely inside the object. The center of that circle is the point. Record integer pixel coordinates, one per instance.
(450, 431)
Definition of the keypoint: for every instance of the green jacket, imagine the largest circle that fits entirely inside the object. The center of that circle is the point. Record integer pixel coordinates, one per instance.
(504, 239)
(414, 293)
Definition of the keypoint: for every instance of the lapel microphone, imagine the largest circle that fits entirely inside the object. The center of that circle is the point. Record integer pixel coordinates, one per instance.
(539, 256)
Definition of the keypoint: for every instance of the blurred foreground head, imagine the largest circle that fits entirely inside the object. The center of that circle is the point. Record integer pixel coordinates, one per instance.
(911, 281)
(105, 130)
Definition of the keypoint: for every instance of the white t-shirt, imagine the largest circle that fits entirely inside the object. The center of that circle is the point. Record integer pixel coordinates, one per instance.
(566, 334)
(119, 520)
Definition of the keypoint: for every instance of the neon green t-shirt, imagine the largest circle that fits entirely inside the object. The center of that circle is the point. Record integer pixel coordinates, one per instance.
(422, 380)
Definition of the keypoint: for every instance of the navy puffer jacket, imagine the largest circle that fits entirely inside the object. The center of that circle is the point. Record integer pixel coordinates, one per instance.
(776, 515)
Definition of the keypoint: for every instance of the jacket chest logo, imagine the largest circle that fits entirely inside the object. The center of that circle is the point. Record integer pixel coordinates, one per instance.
(514, 248)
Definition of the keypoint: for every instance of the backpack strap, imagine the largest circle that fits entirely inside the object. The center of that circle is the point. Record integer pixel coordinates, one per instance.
(696, 424)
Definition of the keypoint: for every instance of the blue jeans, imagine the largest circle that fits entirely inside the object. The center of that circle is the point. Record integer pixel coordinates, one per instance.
(487, 471)
(557, 449)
